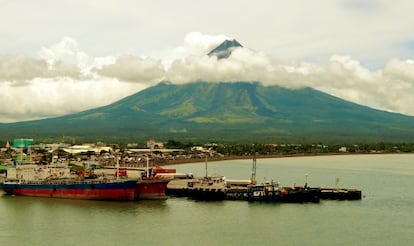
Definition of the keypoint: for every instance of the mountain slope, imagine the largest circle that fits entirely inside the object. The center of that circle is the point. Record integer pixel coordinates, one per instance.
(225, 49)
(224, 112)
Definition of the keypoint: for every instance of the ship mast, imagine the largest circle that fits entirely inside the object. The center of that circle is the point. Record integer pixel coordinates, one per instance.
(148, 159)
(117, 166)
(253, 178)
(147, 167)
(206, 166)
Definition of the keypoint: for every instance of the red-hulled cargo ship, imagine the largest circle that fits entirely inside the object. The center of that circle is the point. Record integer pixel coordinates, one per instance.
(149, 185)
(59, 182)
(154, 186)
(119, 190)
(151, 189)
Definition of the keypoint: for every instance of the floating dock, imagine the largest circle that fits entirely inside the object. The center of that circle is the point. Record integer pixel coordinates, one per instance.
(340, 194)
(220, 188)
(245, 190)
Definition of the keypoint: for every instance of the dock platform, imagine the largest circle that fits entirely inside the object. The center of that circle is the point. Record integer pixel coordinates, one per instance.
(214, 189)
(340, 194)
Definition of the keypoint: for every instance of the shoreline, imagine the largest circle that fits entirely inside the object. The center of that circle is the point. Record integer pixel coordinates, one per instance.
(227, 158)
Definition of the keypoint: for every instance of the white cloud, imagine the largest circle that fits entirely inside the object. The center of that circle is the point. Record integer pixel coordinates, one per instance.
(386, 89)
(373, 40)
(400, 71)
(18, 68)
(242, 65)
(65, 79)
(200, 44)
(45, 97)
(66, 50)
(368, 30)
(134, 69)
(195, 44)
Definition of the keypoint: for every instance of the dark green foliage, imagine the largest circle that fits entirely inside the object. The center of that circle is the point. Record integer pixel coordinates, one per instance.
(223, 112)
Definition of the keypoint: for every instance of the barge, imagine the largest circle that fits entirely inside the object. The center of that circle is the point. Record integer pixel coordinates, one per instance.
(340, 194)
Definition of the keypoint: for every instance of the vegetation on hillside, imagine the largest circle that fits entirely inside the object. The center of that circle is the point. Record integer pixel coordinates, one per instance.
(239, 112)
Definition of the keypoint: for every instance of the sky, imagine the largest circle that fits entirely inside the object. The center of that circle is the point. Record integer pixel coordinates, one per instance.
(62, 57)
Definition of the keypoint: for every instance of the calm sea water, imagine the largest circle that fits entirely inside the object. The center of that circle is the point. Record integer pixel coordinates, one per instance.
(385, 216)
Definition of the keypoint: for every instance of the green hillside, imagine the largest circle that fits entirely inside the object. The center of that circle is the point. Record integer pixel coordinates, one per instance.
(224, 112)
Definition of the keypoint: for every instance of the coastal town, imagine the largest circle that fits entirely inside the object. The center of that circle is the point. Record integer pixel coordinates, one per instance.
(174, 152)
(99, 172)
(101, 154)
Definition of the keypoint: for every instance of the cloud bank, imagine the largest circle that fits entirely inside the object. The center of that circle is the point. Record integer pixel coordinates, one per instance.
(64, 79)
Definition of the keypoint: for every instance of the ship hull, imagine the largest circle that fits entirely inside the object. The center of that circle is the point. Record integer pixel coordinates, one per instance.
(118, 191)
(151, 189)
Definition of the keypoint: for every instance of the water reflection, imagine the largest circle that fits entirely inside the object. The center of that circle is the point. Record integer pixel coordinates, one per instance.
(383, 217)
(22, 203)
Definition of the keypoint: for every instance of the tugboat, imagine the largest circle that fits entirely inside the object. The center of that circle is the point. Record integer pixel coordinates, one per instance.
(273, 192)
(267, 192)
